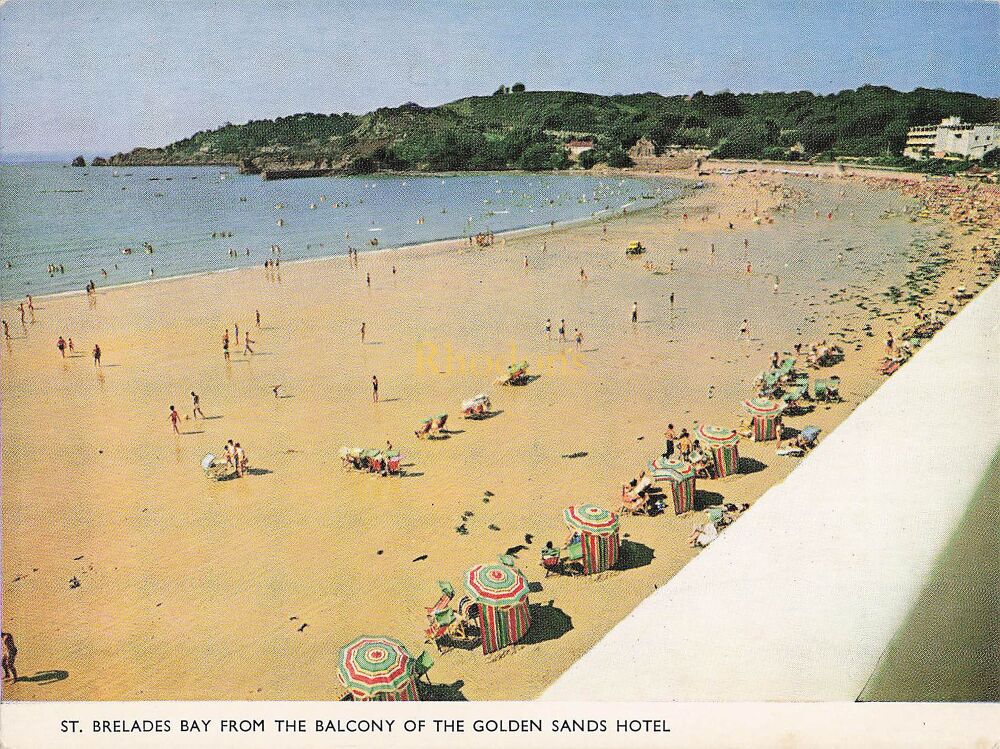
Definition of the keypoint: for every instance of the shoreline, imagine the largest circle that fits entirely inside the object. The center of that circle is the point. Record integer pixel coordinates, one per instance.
(416, 246)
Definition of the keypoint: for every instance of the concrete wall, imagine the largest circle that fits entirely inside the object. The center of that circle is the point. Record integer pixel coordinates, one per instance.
(808, 596)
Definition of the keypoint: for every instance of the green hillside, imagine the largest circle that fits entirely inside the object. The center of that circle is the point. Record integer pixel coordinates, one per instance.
(517, 129)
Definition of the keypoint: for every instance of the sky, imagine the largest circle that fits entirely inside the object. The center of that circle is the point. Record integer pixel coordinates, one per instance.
(96, 77)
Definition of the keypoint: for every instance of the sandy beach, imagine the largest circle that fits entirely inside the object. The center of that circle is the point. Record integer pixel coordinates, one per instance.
(191, 588)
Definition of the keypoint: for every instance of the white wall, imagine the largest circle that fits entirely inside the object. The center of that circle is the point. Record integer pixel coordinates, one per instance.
(798, 599)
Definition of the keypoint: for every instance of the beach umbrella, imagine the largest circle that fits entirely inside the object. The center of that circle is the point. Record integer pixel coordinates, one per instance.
(599, 541)
(378, 668)
(502, 595)
(764, 413)
(680, 475)
(724, 446)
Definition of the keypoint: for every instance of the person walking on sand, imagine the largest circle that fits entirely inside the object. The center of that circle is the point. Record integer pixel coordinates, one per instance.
(97, 355)
(21, 307)
(175, 420)
(225, 345)
(362, 332)
(247, 341)
(196, 406)
(525, 261)
(6, 330)
(230, 452)
(368, 279)
(257, 316)
(562, 330)
(635, 312)
(890, 345)
(745, 330)
(237, 331)
(69, 345)
(374, 389)
(548, 328)
(671, 299)
(61, 345)
(579, 338)
(9, 656)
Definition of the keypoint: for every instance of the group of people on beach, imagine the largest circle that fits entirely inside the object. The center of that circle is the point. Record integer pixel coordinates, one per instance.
(247, 340)
(577, 335)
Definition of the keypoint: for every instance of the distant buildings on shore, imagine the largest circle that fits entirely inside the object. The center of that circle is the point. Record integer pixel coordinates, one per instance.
(952, 139)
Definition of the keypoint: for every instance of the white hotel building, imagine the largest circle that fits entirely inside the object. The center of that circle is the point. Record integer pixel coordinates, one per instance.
(952, 139)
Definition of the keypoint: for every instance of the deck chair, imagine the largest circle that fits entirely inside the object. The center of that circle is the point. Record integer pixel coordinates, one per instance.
(422, 666)
(634, 505)
(441, 627)
(447, 594)
(506, 560)
(551, 562)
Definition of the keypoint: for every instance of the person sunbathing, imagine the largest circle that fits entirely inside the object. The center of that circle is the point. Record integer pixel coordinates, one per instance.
(703, 535)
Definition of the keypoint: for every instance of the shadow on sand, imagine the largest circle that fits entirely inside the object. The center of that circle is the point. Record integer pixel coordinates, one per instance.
(632, 555)
(750, 465)
(547, 623)
(45, 677)
(704, 498)
(441, 692)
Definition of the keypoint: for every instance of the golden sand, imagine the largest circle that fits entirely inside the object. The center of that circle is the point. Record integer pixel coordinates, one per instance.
(197, 589)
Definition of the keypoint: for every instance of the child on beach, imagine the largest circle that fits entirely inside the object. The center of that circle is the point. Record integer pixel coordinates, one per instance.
(635, 312)
(61, 345)
(97, 355)
(246, 344)
(175, 419)
(230, 452)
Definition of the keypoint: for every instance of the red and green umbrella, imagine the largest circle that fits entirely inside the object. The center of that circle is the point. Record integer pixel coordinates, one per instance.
(765, 413)
(502, 594)
(591, 519)
(599, 542)
(378, 668)
(681, 476)
(724, 444)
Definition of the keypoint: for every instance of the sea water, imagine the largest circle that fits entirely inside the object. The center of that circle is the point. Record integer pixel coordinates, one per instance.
(83, 218)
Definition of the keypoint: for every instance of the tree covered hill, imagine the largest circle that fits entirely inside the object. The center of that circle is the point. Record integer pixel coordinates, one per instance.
(518, 129)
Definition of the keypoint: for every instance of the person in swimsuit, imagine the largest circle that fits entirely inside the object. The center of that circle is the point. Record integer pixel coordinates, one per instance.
(196, 406)
(175, 419)
(374, 389)
(9, 656)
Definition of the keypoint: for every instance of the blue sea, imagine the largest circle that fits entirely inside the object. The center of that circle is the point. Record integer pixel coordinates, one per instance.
(83, 218)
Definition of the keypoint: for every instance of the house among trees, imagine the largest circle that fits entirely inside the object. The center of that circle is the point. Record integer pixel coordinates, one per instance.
(576, 147)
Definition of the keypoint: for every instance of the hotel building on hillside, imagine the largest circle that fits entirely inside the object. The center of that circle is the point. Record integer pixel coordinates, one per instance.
(952, 139)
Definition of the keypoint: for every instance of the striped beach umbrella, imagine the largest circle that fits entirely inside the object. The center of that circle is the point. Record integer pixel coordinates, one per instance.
(680, 476)
(724, 446)
(599, 541)
(378, 668)
(502, 594)
(764, 413)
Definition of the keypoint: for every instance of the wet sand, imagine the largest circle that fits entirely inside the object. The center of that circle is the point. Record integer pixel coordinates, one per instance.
(197, 589)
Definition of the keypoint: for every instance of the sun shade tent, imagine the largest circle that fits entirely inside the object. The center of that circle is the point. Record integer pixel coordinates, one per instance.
(599, 540)
(502, 595)
(724, 446)
(764, 413)
(680, 476)
(378, 668)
